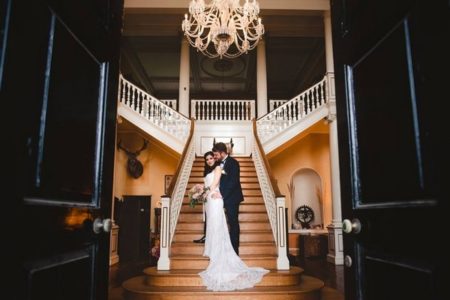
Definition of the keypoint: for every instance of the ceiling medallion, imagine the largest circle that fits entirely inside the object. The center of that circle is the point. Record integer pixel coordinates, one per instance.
(223, 28)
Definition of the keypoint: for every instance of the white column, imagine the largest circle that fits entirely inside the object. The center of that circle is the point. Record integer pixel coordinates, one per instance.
(335, 242)
(328, 42)
(183, 96)
(261, 78)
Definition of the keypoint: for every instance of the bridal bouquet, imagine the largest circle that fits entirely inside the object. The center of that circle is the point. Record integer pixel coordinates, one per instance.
(197, 194)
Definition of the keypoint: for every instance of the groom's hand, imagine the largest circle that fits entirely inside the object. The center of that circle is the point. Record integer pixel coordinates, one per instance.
(216, 195)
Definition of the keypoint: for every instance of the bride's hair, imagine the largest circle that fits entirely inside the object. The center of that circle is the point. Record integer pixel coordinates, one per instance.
(209, 169)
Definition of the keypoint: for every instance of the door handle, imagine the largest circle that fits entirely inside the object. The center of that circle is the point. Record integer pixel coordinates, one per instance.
(353, 226)
(102, 225)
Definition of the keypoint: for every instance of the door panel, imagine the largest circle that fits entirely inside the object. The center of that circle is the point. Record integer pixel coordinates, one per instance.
(60, 78)
(381, 91)
(58, 277)
(419, 283)
(390, 68)
(72, 109)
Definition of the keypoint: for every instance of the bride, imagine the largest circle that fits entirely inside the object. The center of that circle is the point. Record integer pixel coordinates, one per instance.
(226, 271)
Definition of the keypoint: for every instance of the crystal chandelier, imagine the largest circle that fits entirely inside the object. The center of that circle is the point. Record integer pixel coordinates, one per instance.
(233, 29)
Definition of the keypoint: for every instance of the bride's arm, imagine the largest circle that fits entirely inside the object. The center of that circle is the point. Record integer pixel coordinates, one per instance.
(216, 181)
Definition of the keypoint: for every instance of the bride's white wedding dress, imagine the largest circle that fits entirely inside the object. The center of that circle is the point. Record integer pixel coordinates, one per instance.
(226, 271)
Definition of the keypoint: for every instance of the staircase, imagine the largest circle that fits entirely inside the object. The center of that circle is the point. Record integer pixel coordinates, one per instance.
(257, 248)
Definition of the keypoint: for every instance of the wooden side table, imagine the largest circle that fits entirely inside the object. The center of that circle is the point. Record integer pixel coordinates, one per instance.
(313, 245)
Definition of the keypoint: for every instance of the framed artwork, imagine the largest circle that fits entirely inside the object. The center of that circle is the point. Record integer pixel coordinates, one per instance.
(167, 181)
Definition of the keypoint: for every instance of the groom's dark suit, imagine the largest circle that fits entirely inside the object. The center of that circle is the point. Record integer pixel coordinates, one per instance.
(230, 188)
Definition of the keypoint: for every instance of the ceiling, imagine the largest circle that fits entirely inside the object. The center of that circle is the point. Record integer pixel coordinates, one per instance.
(295, 56)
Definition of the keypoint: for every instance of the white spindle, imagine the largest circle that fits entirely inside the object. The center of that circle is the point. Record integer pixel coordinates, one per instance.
(122, 87)
(127, 94)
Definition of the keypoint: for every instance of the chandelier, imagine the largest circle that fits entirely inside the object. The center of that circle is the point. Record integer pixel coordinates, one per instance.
(233, 29)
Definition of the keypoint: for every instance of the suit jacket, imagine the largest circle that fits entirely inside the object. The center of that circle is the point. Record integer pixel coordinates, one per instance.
(230, 182)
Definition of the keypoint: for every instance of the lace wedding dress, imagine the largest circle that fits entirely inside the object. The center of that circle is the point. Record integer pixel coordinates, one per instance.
(226, 271)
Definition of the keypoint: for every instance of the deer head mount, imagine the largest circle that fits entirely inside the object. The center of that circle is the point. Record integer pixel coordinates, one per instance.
(134, 166)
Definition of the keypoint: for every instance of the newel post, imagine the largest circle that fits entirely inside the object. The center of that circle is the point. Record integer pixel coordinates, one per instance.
(164, 261)
(282, 260)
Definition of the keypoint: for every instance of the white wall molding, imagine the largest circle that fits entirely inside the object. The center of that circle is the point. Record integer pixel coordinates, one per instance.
(240, 131)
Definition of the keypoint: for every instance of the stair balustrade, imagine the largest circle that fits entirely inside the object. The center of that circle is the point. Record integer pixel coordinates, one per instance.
(179, 190)
(293, 111)
(274, 201)
(223, 110)
(171, 204)
(154, 111)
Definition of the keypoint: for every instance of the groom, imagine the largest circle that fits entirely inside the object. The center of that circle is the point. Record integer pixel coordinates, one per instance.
(230, 188)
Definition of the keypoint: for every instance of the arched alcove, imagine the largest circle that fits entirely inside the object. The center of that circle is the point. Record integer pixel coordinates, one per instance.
(306, 189)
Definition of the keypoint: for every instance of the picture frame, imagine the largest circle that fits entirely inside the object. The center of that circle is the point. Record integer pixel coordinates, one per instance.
(167, 182)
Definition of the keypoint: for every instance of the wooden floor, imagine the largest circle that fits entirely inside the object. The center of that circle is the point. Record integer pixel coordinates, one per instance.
(316, 267)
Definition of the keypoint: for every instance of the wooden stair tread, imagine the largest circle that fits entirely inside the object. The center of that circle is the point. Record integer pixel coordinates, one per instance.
(240, 213)
(241, 244)
(191, 277)
(243, 203)
(248, 231)
(241, 222)
(243, 256)
(153, 271)
(308, 289)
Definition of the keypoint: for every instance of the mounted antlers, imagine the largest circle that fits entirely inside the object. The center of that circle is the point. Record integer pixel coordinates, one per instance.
(134, 166)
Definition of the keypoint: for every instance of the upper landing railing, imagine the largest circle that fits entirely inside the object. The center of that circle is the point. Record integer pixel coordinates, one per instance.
(295, 110)
(151, 114)
(223, 110)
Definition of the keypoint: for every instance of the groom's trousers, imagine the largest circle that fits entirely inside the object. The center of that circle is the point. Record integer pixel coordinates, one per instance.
(232, 213)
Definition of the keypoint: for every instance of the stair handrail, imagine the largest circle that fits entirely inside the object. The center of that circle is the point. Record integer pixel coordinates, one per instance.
(266, 181)
(171, 187)
(153, 110)
(274, 201)
(293, 110)
(265, 161)
(177, 188)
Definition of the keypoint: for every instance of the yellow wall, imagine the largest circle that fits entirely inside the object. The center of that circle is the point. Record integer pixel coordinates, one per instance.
(312, 151)
(157, 162)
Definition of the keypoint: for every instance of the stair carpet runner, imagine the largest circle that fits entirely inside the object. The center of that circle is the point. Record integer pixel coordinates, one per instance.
(257, 248)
